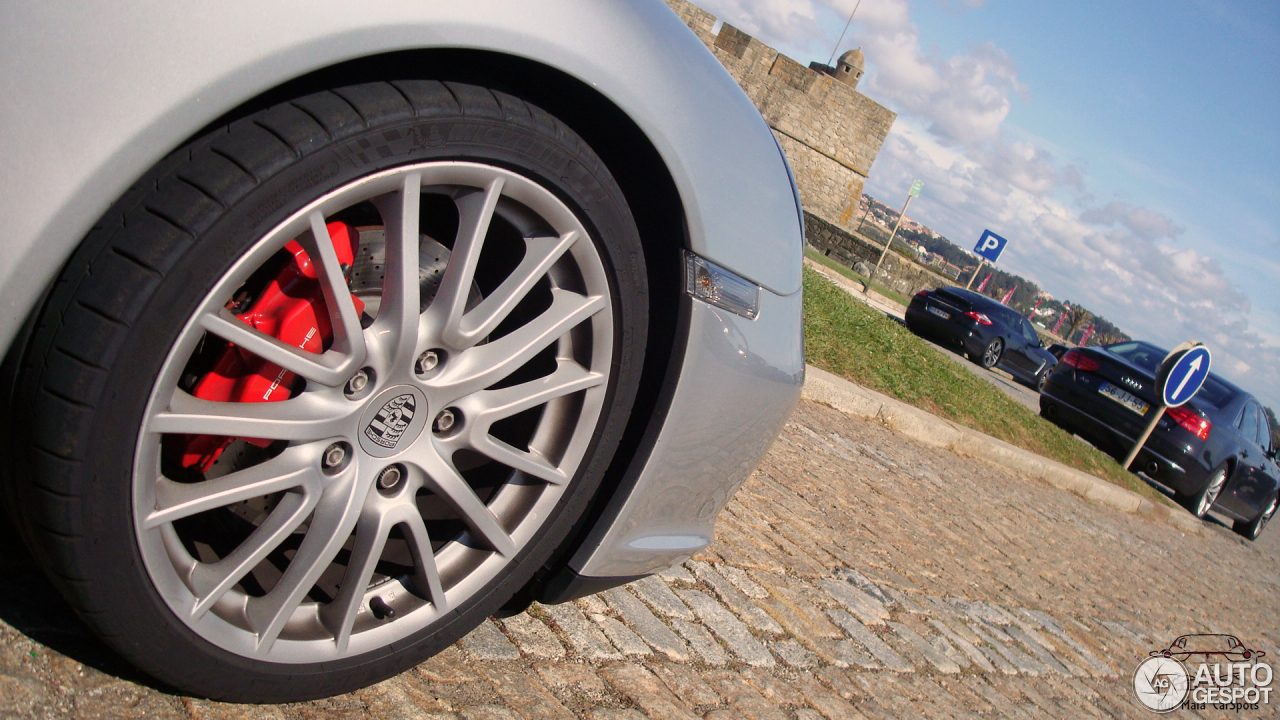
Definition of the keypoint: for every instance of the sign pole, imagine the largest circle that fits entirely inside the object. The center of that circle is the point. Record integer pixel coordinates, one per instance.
(981, 263)
(1142, 440)
(915, 190)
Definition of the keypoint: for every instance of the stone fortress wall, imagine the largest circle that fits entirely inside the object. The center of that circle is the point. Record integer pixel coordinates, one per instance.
(899, 274)
(830, 132)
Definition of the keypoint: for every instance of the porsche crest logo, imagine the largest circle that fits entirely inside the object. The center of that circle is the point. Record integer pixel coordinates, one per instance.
(388, 426)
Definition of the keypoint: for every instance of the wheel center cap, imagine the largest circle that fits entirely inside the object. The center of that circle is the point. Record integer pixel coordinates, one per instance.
(392, 421)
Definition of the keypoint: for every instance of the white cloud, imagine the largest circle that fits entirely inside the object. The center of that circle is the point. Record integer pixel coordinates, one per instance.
(1127, 262)
(774, 21)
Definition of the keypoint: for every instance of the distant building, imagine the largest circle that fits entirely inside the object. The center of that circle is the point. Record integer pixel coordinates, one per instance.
(829, 131)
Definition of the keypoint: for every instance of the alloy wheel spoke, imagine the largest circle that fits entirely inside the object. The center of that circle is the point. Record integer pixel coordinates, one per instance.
(487, 364)
(569, 377)
(475, 213)
(334, 518)
(540, 254)
(296, 467)
(330, 368)
(528, 462)
(445, 481)
(371, 538)
(305, 417)
(348, 336)
(426, 574)
(211, 581)
(400, 305)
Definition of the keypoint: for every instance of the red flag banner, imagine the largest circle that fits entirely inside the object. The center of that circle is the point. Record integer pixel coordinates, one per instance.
(1005, 300)
(1088, 333)
(1058, 327)
(985, 280)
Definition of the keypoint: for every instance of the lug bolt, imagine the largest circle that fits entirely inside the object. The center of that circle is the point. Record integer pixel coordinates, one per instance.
(389, 478)
(445, 421)
(358, 383)
(334, 456)
(427, 362)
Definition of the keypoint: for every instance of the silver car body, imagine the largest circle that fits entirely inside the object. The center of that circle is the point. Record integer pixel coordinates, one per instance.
(97, 93)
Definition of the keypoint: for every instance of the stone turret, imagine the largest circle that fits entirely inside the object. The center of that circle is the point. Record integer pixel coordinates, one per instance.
(849, 67)
(830, 132)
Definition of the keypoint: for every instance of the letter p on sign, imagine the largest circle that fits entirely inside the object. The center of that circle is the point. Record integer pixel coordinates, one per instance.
(990, 245)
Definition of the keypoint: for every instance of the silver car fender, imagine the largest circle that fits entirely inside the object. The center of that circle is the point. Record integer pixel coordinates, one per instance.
(94, 94)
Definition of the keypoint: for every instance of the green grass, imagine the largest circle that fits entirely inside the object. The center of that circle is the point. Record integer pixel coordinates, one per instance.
(850, 339)
(825, 261)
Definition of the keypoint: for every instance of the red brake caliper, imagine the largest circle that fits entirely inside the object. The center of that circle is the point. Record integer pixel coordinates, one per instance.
(290, 309)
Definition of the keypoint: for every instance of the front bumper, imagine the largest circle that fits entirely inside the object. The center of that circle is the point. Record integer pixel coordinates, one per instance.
(739, 381)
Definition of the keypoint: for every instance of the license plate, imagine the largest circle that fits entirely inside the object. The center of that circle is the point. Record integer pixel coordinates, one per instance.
(939, 313)
(1124, 398)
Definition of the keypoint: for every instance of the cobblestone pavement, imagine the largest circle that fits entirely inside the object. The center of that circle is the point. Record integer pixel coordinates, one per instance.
(855, 575)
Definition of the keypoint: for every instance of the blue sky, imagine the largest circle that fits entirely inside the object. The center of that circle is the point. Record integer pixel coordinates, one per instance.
(1128, 150)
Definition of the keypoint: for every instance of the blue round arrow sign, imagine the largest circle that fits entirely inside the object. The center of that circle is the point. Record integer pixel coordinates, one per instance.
(1186, 376)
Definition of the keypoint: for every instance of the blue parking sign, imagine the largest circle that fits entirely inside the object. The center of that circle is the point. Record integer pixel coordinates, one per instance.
(990, 245)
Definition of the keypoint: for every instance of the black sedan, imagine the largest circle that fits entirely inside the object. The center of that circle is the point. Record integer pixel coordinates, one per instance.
(990, 333)
(1214, 452)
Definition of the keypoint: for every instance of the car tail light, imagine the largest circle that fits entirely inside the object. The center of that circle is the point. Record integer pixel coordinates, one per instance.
(922, 293)
(982, 319)
(1191, 421)
(1081, 360)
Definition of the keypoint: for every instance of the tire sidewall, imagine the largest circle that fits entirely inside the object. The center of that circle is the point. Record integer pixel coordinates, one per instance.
(151, 635)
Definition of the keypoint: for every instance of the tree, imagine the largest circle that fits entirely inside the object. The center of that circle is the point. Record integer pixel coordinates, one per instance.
(1105, 338)
(1077, 318)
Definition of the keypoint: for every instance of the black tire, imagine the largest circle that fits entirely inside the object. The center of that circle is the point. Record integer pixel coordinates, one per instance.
(991, 353)
(105, 332)
(1252, 529)
(1201, 501)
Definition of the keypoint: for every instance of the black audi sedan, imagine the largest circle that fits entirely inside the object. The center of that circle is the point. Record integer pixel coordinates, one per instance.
(990, 333)
(1214, 452)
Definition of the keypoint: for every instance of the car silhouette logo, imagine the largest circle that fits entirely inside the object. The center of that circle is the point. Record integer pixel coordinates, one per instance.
(388, 426)
(1206, 645)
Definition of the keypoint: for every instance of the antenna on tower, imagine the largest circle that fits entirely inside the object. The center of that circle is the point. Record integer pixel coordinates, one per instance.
(842, 32)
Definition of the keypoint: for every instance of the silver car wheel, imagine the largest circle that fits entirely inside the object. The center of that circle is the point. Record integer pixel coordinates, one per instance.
(347, 545)
(1266, 517)
(991, 355)
(1211, 491)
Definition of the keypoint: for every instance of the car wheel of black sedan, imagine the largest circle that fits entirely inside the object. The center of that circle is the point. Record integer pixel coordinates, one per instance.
(990, 354)
(1200, 503)
(1253, 528)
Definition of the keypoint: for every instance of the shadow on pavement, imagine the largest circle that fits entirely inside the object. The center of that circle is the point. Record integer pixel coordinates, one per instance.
(1210, 519)
(30, 604)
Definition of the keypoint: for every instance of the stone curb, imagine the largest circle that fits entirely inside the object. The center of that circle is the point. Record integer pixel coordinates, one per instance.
(934, 431)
